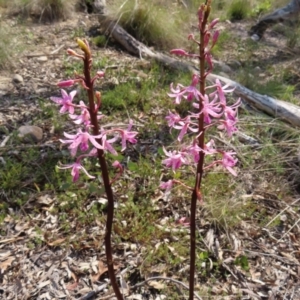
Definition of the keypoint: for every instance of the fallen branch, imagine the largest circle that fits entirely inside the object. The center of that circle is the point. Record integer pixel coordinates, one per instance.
(282, 110)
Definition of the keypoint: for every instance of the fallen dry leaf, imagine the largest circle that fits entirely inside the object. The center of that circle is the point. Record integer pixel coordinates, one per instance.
(6, 263)
(56, 242)
(157, 285)
(101, 270)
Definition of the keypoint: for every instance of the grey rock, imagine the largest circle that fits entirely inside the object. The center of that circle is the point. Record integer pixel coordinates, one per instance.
(114, 81)
(57, 62)
(5, 86)
(255, 38)
(222, 66)
(41, 90)
(18, 79)
(42, 59)
(30, 134)
(257, 69)
(225, 68)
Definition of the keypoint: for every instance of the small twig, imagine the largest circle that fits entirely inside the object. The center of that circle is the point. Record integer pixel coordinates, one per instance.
(295, 224)
(95, 292)
(99, 289)
(168, 279)
(3, 143)
(287, 207)
(56, 50)
(280, 258)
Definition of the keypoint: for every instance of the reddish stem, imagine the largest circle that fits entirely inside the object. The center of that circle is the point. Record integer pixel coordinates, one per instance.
(105, 176)
(196, 195)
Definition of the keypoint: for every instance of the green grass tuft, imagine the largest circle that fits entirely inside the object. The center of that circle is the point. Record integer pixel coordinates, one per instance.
(43, 10)
(238, 10)
(152, 22)
(7, 49)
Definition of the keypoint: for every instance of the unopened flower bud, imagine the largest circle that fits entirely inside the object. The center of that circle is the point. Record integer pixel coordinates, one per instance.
(98, 97)
(206, 39)
(83, 46)
(215, 37)
(117, 165)
(66, 83)
(213, 23)
(179, 52)
(100, 74)
(191, 37)
(72, 52)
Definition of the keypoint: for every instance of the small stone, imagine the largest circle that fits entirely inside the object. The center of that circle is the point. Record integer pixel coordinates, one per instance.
(18, 79)
(255, 38)
(222, 66)
(114, 81)
(225, 68)
(41, 90)
(30, 133)
(5, 86)
(42, 59)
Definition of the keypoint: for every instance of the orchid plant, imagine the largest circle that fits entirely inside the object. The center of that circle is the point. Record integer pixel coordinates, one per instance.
(92, 139)
(209, 107)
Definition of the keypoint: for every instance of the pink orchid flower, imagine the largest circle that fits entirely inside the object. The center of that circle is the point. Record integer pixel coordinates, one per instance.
(209, 108)
(228, 125)
(175, 160)
(177, 93)
(189, 93)
(106, 144)
(209, 148)
(194, 150)
(76, 167)
(231, 111)
(167, 185)
(172, 119)
(220, 91)
(228, 161)
(84, 117)
(184, 126)
(192, 90)
(65, 101)
(183, 221)
(128, 135)
(81, 138)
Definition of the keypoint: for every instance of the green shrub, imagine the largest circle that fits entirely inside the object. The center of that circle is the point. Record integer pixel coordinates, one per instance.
(261, 8)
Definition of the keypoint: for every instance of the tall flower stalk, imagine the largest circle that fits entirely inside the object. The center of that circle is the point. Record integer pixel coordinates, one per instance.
(92, 140)
(210, 108)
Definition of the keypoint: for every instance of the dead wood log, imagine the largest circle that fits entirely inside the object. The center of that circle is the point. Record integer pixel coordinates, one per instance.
(277, 108)
(282, 110)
